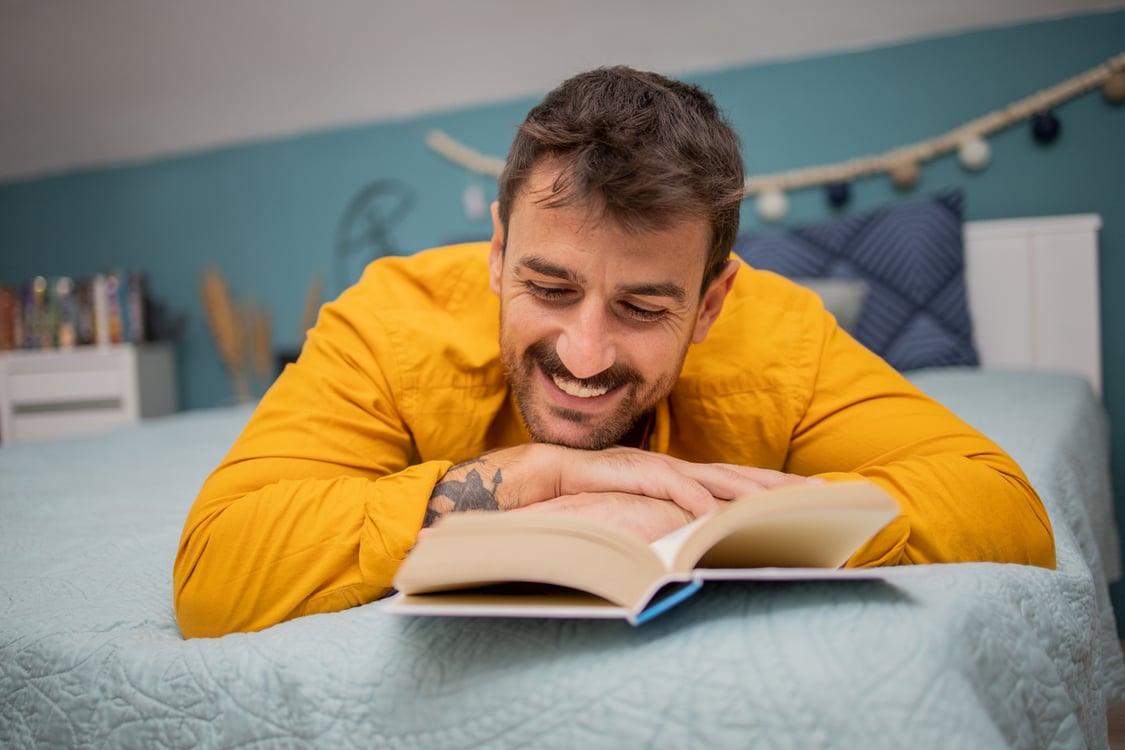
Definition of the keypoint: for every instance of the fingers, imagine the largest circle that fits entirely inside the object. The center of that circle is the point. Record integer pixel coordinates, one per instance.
(679, 486)
(728, 481)
(637, 472)
(700, 488)
(647, 517)
(697, 488)
(718, 482)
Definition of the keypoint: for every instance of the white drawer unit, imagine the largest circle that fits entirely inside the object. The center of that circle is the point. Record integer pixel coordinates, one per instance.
(52, 393)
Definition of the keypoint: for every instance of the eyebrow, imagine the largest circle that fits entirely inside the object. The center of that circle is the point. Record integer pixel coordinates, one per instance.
(667, 289)
(546, 268)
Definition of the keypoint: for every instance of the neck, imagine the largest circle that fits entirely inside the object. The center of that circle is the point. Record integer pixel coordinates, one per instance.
(638, 434)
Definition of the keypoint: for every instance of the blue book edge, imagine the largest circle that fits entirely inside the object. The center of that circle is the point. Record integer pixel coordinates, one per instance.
(668, 602)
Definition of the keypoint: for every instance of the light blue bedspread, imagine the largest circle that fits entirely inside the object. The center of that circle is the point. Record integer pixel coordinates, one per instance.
(973, 656)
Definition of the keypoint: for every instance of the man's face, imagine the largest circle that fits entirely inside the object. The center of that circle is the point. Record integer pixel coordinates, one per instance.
(595, 321)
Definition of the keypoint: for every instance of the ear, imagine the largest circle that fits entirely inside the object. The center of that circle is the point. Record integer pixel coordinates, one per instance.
(496, 254)
(712, 303)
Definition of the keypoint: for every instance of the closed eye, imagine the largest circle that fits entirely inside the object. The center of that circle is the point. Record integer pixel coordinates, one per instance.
(547, 293)
(643, 314)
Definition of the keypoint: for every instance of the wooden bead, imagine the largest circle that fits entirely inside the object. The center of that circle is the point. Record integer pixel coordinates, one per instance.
(1045, 127)
(975, 154)
(905, 175)
(838, 194)
(772, 205)
(1114, 88)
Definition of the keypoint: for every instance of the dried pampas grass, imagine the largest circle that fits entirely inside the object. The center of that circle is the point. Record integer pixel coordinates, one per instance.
(258, 326)
(243, 332)
(312, 305)
(226, 328)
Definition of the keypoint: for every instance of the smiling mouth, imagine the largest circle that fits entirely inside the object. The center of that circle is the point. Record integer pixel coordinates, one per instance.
(578, 388)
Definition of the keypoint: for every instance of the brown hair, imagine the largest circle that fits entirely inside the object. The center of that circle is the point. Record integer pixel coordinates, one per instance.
(649, 150)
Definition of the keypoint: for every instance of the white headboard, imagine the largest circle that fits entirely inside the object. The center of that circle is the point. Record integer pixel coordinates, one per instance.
(1033, 293)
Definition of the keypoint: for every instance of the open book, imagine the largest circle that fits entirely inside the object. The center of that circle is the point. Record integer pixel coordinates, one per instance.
(556, 565)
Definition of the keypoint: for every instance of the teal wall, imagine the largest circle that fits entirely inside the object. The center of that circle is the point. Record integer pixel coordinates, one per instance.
(266, 213)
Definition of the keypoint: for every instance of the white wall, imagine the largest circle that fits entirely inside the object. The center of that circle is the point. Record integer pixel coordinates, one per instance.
(107, 81)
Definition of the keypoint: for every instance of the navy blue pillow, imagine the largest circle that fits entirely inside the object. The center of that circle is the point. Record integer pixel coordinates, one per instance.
(910, 254)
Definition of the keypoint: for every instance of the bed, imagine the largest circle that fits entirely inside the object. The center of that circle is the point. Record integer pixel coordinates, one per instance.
(974, 655)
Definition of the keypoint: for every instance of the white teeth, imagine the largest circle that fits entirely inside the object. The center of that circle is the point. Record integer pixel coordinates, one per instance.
(577, 388)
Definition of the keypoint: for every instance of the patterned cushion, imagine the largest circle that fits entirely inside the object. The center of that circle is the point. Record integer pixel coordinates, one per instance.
(911, 255)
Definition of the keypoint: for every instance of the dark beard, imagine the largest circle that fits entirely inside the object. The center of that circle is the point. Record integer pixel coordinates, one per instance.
(542, 356)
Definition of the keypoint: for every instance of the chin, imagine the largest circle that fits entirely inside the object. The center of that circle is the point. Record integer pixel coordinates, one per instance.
(582, 442)
(561, 431)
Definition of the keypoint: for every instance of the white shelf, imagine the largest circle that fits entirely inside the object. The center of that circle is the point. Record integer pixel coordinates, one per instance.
(53, 393)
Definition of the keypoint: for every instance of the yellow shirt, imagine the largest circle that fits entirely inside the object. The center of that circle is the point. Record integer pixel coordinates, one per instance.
(320, 498)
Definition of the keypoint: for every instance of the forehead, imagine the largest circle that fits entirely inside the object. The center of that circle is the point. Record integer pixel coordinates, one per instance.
(587, 242)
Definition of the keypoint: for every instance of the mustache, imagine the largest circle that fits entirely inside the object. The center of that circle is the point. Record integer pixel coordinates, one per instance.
(543, 355)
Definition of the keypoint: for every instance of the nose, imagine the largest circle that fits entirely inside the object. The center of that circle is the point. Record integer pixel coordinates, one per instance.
(585, 345)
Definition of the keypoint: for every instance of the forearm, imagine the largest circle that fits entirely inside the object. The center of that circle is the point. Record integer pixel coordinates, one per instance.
(502, 479)
(472, 485)
(958, 508)
(295, 547)
(963, 498)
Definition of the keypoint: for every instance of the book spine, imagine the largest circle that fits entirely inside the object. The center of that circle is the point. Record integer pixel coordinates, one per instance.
(114, 307)
(65, 305)
(135, 307)
(100, 293)
(8, 318)
(35, 315)
(84, 305)
(18, 313)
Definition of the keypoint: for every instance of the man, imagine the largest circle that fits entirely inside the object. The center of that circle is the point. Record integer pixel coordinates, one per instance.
(604, 355)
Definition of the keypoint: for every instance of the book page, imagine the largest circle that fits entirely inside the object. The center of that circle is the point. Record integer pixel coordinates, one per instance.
(563, 604)
(798, 526)
(471, 550)
(668, 546)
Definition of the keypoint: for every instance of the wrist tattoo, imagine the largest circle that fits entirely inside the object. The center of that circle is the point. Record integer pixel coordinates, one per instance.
(470, 493)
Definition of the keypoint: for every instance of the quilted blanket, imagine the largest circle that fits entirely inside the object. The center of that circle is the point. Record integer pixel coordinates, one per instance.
(976, 655)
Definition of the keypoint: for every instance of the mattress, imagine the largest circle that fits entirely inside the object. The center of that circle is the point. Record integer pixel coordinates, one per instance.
(968, 655)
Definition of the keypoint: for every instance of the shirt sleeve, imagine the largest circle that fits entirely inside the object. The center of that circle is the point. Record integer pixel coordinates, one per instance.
(321, 496)
(963, 498)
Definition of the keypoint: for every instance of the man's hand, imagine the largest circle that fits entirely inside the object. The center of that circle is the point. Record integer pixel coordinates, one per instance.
(644, 516)
(522, 476)
(697, 488)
